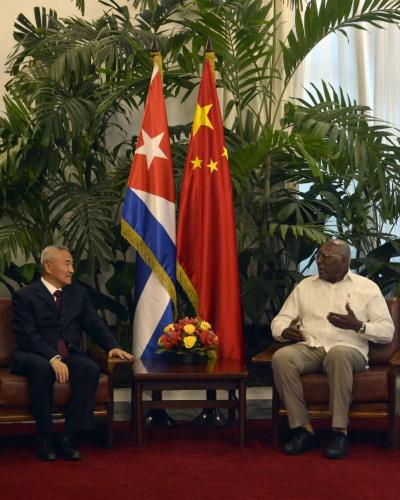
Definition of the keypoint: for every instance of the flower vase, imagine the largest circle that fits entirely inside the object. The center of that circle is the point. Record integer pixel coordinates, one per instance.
(190, 358)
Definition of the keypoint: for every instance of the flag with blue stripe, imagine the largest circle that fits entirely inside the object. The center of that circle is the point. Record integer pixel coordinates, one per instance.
(148, 223)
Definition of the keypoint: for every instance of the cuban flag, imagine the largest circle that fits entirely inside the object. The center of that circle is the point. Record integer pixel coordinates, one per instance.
(148, 223)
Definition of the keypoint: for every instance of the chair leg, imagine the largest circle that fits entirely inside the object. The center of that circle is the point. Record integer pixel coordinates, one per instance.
(393, 421)
(110, 430)
(275, 417)
(392, 438)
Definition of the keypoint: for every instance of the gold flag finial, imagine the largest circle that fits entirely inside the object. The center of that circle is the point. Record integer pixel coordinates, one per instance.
(156, 55)
(209, 54)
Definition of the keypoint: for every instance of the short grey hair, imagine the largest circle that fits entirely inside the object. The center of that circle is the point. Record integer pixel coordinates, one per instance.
(343, 246)
(46, 252)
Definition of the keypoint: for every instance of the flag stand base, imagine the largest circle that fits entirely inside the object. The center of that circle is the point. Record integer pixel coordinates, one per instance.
(158, 417)
(210, 416)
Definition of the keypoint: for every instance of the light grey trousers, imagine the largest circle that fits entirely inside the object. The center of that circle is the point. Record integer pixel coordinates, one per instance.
(339, 364)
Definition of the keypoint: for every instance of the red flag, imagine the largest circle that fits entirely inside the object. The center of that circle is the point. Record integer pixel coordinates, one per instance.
(206, 238)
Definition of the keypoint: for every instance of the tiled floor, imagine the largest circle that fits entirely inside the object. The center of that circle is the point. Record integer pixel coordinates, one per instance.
(258, 402)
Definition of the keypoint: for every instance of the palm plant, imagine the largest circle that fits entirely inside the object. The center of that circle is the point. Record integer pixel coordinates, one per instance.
(76, 85)
(326, 142)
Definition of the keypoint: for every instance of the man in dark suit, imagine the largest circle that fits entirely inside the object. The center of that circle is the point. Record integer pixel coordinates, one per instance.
(48, 319)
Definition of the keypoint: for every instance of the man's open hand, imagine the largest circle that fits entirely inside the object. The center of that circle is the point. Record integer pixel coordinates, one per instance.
(292, 332)
(61, 370)
(345, 321)
(119, 353)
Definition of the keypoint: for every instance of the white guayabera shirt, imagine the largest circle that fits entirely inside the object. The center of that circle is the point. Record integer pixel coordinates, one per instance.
(313, 299)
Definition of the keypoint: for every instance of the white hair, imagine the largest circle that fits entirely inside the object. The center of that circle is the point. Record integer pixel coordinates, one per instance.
(46, 252)
(344, 247)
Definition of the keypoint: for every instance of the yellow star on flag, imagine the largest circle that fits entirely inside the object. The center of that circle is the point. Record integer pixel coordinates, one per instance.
(196, 162)
(213, 166)
(225, 153)
(201, 118)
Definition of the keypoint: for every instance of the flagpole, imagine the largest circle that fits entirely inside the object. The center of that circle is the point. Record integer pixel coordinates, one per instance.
(156, 56)
(210, 55)
(211, 416)
(158, 417)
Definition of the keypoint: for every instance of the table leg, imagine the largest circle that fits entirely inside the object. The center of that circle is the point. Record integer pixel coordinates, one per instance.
(133, 408)
(138, 414)
(231, 411)
(242, 411)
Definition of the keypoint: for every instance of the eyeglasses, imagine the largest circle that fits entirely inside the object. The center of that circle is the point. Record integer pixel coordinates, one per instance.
(324, 256)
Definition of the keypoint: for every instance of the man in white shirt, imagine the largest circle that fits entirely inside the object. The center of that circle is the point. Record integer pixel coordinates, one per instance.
(329, 318)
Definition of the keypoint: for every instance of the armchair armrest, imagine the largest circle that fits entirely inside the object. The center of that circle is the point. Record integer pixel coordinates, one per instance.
(107, 365)
(394, 361)
(265, 356)
(113, 363)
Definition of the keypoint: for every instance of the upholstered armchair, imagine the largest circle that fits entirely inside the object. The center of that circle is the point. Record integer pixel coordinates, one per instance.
(14, 394)
(374, 390)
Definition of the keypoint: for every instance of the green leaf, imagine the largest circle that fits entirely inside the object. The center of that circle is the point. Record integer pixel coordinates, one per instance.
(122, 282)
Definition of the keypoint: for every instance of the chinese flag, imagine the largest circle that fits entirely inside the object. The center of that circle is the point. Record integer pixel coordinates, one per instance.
(206, 239)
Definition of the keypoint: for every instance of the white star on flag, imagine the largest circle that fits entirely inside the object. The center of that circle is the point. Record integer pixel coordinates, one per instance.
(151, 148)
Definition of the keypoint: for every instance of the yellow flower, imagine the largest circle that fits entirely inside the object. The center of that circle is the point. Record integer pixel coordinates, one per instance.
(204, 325)
(189, 329)
(189, 341)
(169, 328)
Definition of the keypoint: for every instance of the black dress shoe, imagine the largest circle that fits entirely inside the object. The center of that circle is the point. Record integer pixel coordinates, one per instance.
(45, 449)
(338, 446)
(301, 441)
(68, 450)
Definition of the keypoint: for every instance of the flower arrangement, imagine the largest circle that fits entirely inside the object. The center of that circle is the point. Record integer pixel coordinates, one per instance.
(189, 335)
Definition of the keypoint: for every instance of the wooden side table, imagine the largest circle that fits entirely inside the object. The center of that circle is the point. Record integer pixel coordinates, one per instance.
(154, 375)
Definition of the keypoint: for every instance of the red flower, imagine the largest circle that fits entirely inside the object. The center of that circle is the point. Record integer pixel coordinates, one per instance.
(208, 338)
(169, 340)
(202, 339)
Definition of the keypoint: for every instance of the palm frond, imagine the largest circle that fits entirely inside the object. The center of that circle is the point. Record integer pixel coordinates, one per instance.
(83, 211)
(332, 16)
(81, 6)
(361, 151)
(14, 239)
(242, 34)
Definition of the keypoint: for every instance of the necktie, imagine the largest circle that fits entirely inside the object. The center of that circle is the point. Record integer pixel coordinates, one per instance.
(58, 295)
(62, 347)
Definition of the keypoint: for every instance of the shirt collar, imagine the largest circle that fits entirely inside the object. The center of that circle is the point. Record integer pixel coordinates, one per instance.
(348, 276)
(51, 288)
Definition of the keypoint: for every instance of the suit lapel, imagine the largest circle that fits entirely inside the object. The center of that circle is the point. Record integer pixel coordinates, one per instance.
(44, 294)
(68, 304)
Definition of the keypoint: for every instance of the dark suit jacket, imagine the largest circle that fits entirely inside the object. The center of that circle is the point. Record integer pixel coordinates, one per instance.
(38, 325)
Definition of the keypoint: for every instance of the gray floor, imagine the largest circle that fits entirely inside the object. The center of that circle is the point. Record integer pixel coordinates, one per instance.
(258, 402)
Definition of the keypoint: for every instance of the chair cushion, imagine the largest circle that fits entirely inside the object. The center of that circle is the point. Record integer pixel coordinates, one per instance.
(14, 391)
(7, 337)
(368, 386)
(380, 354)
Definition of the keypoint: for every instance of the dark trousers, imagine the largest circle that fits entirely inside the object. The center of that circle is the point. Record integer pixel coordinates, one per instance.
(83, 378)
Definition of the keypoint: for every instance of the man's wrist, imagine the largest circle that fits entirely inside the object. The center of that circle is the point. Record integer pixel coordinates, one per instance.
(57, 356)
(362, 329)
